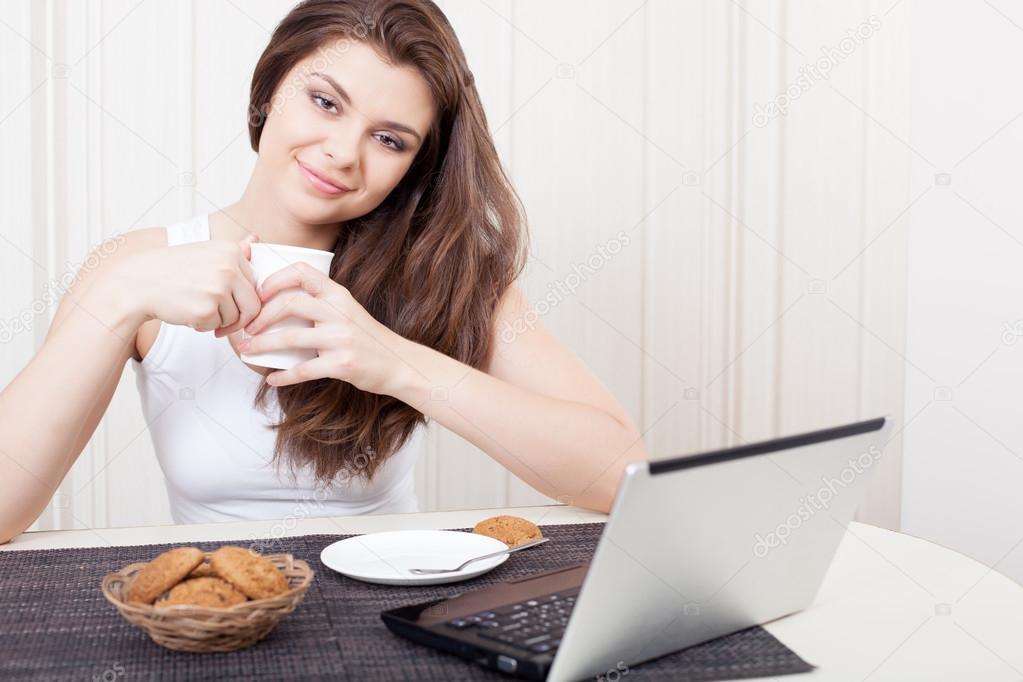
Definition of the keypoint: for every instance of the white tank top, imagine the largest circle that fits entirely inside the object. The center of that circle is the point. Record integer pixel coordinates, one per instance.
(215, 448)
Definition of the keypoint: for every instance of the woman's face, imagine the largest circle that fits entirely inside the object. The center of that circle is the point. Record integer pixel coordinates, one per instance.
(345, 115)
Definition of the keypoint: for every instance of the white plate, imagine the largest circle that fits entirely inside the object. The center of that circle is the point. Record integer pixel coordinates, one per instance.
(386, 557)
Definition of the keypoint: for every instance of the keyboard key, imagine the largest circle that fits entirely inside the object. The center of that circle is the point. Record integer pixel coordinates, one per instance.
(535, 625)
(484, 615)
(506, 664)
(510, 608)
(497, 636)
(459, 623)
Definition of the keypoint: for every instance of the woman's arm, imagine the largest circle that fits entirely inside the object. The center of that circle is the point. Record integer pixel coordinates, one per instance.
(50, 410)
(538, 410)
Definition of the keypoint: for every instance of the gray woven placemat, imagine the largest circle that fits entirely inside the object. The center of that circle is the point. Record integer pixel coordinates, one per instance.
(56, 625)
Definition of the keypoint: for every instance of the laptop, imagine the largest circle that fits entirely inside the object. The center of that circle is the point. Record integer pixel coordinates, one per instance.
(694, 548)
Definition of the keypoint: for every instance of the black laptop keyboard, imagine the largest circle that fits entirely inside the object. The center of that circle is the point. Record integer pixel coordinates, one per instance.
(535, 625)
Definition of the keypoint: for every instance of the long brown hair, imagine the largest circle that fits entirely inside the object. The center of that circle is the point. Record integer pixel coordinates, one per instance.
(431, 261)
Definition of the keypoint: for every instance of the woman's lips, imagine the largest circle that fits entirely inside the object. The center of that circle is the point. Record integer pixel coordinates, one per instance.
(320, 183)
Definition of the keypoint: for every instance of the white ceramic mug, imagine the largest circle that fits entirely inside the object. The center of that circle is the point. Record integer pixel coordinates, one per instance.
(266, 260)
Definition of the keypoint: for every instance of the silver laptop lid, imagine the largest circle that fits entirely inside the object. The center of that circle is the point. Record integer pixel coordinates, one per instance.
(699, 546)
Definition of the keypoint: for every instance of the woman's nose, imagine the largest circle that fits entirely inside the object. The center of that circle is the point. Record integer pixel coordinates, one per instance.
(342, 148)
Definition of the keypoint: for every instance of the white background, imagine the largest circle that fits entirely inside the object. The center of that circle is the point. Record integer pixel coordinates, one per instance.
(964, 449)
(779, 277)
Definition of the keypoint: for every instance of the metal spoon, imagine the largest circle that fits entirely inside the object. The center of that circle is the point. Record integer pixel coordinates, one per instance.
(432, 571)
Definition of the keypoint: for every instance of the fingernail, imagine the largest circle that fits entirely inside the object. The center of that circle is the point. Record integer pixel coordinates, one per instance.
(244, 345)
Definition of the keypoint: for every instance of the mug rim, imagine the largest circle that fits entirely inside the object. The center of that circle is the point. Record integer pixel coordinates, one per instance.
(294, 249)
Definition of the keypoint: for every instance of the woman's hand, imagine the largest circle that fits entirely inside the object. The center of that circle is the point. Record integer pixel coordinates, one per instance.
(351, 344)
(206, 285)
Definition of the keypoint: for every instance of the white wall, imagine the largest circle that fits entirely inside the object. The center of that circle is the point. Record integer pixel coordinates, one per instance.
(760, 291)
(964, 443)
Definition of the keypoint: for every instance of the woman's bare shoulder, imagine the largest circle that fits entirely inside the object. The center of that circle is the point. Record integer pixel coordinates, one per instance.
(147, 237)
(100, 259)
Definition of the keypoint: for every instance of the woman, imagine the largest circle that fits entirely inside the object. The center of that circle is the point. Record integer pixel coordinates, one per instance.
(371, 142)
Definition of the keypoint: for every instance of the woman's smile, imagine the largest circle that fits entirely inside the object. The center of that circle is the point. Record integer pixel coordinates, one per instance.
(320, 182)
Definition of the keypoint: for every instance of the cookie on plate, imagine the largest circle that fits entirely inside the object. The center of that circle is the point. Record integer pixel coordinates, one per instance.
(511, 530)
(253, 574)
(162, 573)
(208, 591)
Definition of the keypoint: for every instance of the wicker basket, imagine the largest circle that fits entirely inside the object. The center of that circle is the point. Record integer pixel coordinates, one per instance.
(204, 629)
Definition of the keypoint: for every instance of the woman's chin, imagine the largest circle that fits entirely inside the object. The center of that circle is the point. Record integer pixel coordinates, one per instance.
(310, 210)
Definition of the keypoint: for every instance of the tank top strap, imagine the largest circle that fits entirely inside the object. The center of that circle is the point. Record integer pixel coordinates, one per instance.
(215, 446)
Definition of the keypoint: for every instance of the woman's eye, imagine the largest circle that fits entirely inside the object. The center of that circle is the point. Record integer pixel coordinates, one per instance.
(322, 102)
(327, 104)
(391, 142)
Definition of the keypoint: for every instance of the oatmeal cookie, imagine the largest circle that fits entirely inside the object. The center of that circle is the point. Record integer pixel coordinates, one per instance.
(254, 575)
(511, 530)
(162, 573)
(208, 591)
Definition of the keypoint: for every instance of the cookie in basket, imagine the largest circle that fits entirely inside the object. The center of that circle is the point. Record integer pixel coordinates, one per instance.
(253, 574)
(208, 591)
(162, 573)
(219, 616)
(203, 570)
(511, 530)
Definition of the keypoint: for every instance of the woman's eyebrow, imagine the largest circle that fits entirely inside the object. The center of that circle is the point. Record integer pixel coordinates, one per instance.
(348, 100)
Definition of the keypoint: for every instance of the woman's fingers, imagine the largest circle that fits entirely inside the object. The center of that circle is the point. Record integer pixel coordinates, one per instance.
(247, 304)
(244, 266)
(284, 339)
(246, 245)
(296, 275)
(246, 300)
(228, 314)
(208, 323)
(317, 368)
(289, 304)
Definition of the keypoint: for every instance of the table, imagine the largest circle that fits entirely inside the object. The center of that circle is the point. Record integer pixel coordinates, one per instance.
(892, 607)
